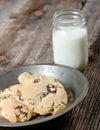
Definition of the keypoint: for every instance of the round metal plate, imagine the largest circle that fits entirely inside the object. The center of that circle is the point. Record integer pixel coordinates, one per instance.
(72, 80)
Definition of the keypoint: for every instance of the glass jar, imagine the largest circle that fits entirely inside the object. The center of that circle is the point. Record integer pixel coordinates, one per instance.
(70, 39)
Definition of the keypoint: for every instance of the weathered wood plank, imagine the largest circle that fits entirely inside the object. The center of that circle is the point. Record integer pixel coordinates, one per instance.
(14, 19)
(92, 9)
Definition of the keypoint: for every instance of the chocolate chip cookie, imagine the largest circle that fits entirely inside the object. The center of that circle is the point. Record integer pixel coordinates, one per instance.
(43, 94)
(36, 94)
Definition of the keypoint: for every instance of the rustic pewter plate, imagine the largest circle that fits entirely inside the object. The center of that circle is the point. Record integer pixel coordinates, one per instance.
(74, 82)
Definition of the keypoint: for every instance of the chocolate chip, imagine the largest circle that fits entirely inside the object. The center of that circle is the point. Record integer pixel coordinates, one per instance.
(23, 113)
(36, 80)
(20, 97)
(51, 88)
(19, 107)
(20, 110)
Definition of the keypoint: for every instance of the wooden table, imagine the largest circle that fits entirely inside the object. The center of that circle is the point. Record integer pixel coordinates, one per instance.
(25, 39)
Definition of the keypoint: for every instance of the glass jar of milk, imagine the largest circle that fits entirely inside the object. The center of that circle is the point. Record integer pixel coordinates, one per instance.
(69, 39)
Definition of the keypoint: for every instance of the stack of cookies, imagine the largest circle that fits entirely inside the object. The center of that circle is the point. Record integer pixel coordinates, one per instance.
(36, 94)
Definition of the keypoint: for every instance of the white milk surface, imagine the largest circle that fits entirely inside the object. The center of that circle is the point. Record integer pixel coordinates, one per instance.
(70, 47)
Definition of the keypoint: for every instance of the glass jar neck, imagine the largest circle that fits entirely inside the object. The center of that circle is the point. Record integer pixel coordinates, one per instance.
(69, 18)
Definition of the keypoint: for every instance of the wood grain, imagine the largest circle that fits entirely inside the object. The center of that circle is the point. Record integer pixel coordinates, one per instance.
(91, 10)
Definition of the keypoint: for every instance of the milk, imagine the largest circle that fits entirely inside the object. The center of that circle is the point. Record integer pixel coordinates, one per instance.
(70, 47)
